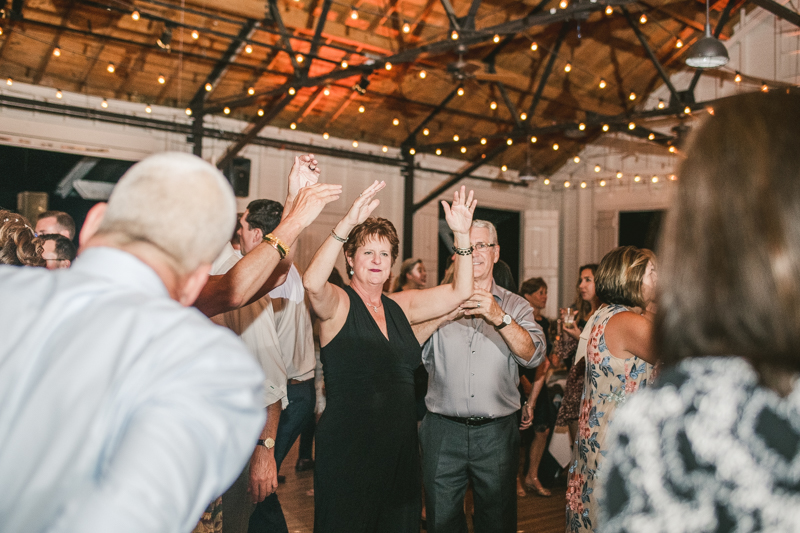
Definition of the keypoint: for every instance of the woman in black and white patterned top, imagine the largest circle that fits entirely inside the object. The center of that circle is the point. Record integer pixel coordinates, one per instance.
(715, 446)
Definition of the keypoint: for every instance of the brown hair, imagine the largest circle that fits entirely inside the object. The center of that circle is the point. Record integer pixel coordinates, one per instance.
(529, 286)
(372, 227)
(618, 279)
(407, 266)
(730, 279)
(584, 307)
(62, 219)
(17, 245)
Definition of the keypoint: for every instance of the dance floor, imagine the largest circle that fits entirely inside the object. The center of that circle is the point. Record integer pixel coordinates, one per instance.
(535, 514)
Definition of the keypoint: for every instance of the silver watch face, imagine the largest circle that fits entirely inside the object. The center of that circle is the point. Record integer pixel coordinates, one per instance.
(506, 319)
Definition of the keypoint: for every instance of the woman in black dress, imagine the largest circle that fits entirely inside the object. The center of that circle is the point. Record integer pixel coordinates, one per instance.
(367, 472)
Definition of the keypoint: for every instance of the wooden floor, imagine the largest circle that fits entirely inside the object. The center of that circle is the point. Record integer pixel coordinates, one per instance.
(535, 514)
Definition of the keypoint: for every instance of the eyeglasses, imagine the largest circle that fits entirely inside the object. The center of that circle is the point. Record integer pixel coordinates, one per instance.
(481, 246)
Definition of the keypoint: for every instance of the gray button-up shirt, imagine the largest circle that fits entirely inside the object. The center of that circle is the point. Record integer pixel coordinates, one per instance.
(472, 371)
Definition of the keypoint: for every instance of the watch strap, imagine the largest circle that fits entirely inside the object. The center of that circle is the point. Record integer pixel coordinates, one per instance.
(505, 322)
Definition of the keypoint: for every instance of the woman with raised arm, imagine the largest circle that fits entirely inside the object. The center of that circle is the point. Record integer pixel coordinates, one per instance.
(367, 472)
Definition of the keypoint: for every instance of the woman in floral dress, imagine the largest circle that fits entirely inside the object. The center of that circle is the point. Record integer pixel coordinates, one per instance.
(616, 342)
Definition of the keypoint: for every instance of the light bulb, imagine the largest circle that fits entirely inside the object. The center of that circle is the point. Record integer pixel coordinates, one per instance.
(406, 27)
(534, 46)
(195, 34)
(293, 125)
(605, 127)
(354, 14)
(385, 149)
(189, 111)
(654, 179)
(454, 35)
(251, 91)
(493, 105)
(523, 116)
(533, 139)
(292, 91)
(326, 91)
(422, 74)
(438, 151)
(463, 149)
(248, 49)
(509, 142)
(148, 109)
(326, 136)
(597, 168)
(643, 19)
(483, 140)
(632, 96)
(672, 177)
(765, 88)
(388, 66)
(111, 68)
(496, 38)
(581, 126)
(687, 110)
(567, 184)
(609, 10)
(209, 87)
(576, 159)
(460, 91)
(637, 178)
(59, 94)
(555, 146)
(567, 67)
(651, 136)
(661, 104)
(672, 149)
(546, 181)
(678, 44)
(260, 112)
(563, 4)
(104, 103)
(227, 110)
(9, 81)
(361, 109)
(300, 58)
(504, 168)
(619, 175)
(135, 15)
(412, 151)
(602, 183)
(396, 121)
(455, 138)
(738, 77)
(57, 52)
(161, 79)
(426, 132)
(602, 83)
(631, 125)
(355, 144)
(344, 64)
(583, 185)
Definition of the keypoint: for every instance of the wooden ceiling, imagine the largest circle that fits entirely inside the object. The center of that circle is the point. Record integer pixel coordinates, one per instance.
(278, 62)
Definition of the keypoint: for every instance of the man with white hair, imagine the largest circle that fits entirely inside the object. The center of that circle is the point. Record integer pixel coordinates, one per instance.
(122, 409)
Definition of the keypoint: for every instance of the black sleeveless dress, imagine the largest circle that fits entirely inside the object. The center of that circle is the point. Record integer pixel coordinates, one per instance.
(367, 471)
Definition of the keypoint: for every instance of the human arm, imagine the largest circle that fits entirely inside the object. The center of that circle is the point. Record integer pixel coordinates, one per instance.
(327, 299)
(424, 330)
(526, 343)
(247, 280)
(530, 404)
(425, 304)
(263, 471)
(629, 334)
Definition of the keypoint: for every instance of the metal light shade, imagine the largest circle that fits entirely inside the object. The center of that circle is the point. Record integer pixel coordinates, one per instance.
(708, 52)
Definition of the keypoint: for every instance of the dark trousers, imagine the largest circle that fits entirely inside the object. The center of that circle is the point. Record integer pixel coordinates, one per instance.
(268, 515)
(307, 438)
(453, 454)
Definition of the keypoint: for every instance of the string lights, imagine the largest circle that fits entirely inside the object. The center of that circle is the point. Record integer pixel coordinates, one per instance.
(326, 136)
(195, 34)
(135, 15)
(161, 79)
(104, 104)
(251, 91)
(423, 74)
(57, 52)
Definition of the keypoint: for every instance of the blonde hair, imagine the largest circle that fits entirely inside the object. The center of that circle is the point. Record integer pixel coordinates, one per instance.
(17, 242)
(177, 203)
(619, 277)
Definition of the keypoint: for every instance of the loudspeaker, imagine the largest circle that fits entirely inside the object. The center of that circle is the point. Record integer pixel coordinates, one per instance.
(238, 174)
(32, 204)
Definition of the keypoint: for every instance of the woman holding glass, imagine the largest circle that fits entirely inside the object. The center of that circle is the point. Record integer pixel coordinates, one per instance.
(367, 471)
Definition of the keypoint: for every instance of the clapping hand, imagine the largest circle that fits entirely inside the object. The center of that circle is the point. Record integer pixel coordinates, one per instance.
(459, 214)
(305, 171)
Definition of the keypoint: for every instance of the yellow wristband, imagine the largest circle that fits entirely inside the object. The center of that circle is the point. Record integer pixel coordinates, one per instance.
(279, 245)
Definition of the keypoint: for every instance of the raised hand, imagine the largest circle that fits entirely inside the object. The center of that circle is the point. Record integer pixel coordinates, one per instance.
(305, 171)
(459, 214)
(311, 200)
(364, 205)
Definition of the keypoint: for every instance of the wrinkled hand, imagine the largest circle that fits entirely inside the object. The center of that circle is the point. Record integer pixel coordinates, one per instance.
(527, 415)
(311, 200)
(483, 304)
(305, 171)
(459, 215)
(364, 205)
(263, 474)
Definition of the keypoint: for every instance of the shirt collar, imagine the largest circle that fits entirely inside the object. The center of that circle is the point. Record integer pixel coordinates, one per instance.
(120, 267)
(497, 292)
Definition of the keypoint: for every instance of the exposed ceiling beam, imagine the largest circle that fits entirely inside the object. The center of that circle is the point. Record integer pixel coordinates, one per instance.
(275, 13)
(253, 129)
(642, 39)
(451, 15)
(537, 96)
(37, 78)
(309, 105)
(438, 109)
(510, 105)
(377, 22)
(677, 16)
(779, 11)
(315, 41)
(221, 67)
(491, 56)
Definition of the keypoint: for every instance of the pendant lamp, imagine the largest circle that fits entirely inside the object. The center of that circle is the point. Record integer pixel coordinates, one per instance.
(708, 52)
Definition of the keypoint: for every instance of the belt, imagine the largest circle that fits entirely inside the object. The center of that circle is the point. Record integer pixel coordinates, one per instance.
(471, 421)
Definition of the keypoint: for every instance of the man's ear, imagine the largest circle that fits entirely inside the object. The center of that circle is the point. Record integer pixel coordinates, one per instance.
(258, 236)
(192, 284)
(496, 250)
(92, 223)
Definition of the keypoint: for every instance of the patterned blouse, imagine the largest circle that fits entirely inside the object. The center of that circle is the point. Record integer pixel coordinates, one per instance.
(608, 383)
(707, 450)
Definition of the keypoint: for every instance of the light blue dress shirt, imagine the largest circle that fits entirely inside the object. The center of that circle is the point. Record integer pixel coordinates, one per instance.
(120, 410)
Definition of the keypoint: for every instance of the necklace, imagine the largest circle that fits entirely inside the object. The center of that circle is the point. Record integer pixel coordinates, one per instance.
(363, 299)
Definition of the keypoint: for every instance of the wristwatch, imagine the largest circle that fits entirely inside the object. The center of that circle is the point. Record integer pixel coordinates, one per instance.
(267, 443)
(506, 321)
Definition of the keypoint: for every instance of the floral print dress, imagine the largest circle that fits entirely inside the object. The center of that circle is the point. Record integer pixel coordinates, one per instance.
(609, 380)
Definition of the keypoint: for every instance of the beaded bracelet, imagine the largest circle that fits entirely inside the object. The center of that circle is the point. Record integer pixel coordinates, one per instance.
(333, 234)
(279, 245)
(463, 251)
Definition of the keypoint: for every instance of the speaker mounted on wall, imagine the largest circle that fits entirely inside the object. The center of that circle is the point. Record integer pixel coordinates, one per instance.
(238, 174)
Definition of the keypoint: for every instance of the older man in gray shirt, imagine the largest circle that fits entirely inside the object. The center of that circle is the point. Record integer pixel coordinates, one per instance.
(470, 432)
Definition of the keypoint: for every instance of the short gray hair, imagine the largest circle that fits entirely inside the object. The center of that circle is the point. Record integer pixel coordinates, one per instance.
(176, 202)
(488, 225)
